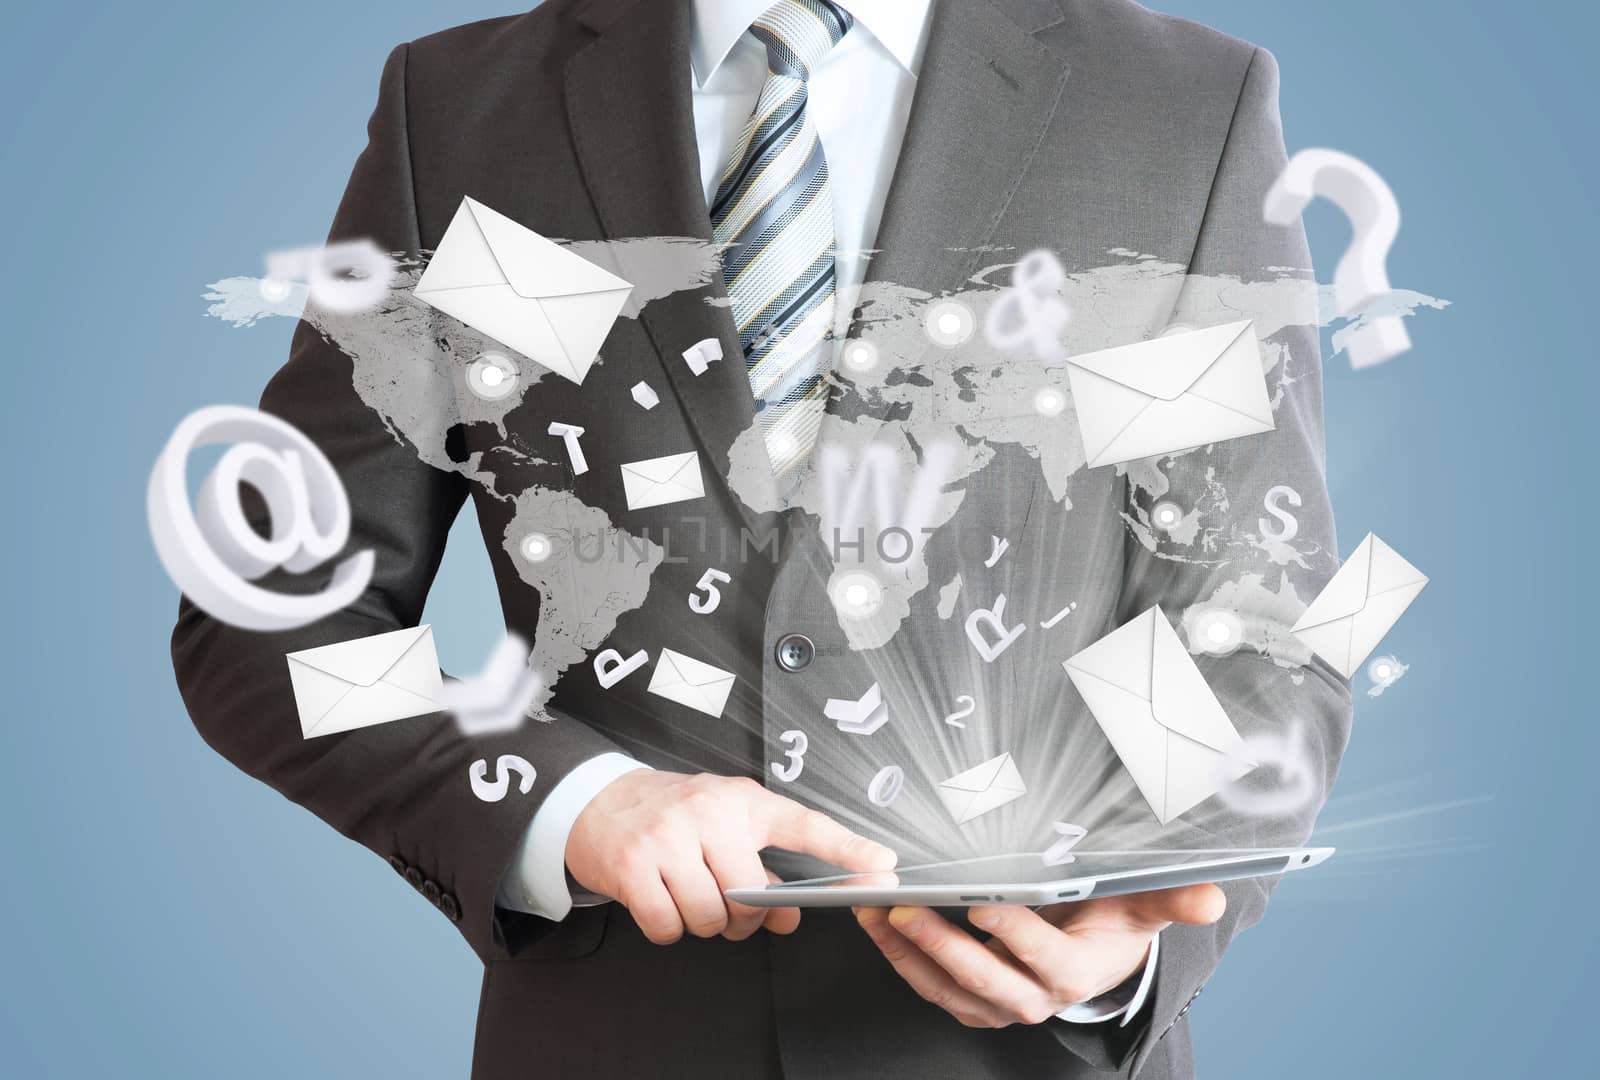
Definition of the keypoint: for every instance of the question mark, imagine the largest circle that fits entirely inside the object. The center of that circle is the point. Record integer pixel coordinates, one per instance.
(1361, 277)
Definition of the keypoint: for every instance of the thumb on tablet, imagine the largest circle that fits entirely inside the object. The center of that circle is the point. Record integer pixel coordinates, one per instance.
(781, 920)
(1195, 905)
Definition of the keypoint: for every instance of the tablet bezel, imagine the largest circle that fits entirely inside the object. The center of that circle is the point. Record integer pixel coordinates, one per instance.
(1264, 862)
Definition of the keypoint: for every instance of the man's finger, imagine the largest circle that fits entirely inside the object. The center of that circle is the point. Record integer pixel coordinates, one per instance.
(1056, 961)
(701, 904)
(975, 969)
(787, 824)
(1196, 905)
(735, 865)
(931, 982)
(648, 901)
(782, 920)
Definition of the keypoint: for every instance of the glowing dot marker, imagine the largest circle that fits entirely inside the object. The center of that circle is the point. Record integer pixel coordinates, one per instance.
(274, 290)
(856, 594)
(1049, 401)
(860, 355)
(1384, 670)
(536, 547)
(950, 323)
(1218, 632)
(491, 376)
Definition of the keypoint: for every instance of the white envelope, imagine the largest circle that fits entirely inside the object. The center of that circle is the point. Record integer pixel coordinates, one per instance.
(1161, 718)
(1170, 393)
(657, 481)
(526, 292)
(982, 788)
(1360, 605)
(371, 680)
(690, 682)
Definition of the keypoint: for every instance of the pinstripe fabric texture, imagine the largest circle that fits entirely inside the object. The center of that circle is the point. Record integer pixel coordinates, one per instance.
(774, 211)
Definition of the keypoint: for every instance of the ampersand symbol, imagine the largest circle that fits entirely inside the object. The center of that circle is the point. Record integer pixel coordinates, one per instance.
(1031, 312)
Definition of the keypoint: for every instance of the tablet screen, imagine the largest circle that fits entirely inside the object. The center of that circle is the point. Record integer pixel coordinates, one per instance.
(1030, 869)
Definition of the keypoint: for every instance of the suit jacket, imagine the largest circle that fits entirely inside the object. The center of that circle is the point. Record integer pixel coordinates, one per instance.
(1078, 125)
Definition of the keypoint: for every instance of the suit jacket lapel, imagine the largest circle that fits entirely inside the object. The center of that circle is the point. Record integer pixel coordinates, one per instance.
(985, 93)
(630, 107)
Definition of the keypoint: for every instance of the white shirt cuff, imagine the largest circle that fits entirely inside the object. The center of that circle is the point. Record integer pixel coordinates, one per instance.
(1119, 1002)
(537, 879)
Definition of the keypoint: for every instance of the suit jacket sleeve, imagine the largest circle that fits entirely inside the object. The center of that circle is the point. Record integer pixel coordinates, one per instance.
(1259, 696)
(401, 789)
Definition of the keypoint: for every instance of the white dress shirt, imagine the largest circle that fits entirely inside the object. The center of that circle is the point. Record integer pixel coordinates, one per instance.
(859, 98)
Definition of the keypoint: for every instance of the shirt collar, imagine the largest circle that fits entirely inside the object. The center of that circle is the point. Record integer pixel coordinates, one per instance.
(719, 24)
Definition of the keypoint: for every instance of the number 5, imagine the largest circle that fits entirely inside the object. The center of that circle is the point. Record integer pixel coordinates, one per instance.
(713, 596)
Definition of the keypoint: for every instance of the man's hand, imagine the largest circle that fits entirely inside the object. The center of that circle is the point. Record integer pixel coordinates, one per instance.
(1037, 963)
(665, 845)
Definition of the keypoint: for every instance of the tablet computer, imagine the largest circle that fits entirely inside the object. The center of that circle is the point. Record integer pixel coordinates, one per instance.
(1025, 879)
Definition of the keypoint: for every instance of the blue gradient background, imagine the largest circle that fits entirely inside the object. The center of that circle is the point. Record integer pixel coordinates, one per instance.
(165, 917)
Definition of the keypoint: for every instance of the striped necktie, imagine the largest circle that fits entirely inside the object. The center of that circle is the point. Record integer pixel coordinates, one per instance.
(774, 211)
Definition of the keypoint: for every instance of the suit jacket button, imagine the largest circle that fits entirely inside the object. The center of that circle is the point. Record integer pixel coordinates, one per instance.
(414, 876)
(431, 890)
(399, 864)
(451, 909)
(795, 652)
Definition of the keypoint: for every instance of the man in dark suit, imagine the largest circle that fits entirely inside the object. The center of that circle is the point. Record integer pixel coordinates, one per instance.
(1082, 126)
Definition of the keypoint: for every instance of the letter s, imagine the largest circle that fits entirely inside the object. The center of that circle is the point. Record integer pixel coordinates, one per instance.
(497, 789)
(1291, 525)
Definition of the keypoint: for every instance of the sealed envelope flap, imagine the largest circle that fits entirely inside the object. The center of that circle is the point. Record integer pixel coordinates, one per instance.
(1180, 699)
(1164, 367)
(1373, 569)
(662, 470)
(535, 267)
(706, 676)
(978, 778)
(1121, 658)
(676, 669)
(1347, 593)
(667, 672)
(1390, 571)
(366, 664)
